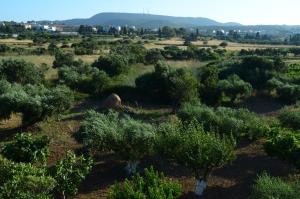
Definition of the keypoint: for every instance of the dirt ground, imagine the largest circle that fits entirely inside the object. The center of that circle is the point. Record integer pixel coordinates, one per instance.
(231, 182)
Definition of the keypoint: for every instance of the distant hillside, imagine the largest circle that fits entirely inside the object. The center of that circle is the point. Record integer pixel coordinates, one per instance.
(145, 20)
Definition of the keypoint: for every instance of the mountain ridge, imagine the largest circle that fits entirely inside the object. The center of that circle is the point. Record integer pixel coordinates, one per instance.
(144, 20)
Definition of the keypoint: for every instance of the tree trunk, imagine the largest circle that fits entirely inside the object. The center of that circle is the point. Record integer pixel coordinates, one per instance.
(201, 185)
(201, 181)
(131, 167)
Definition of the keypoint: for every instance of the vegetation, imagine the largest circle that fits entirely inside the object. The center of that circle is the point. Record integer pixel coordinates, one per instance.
(285, 145)
(27, 149)
(19, 180)
(169, 86)
(112, 64)
(19, 71)
(35, 102)
(270, 187)
(70, 172)
(196, 149)
(240, 123)
(152, 185)
(180, 92)
(290, 118)
(122, 135)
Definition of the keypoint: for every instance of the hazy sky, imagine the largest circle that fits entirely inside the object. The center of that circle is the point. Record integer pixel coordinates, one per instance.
(243, 11)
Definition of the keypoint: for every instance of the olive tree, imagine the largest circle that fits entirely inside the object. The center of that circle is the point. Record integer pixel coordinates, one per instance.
(35, 102)
(19, 71)
(130, 139)
(234, 89)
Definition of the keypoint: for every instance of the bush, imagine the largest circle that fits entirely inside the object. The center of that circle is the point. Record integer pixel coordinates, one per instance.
(240, 123)
(135, 53)
(152, 185)
(27, 149)
(19, 71)
(83, 51)
(168, 86)
(288, 92)
(112, 64)
(131, 139)
(84, 78)
(155, 85)
(182, 86)
(267, 187)
(64, 59)
(224, 44)
(153, 56)
(256, 70)
(70, 172)
(290, 118)
(286, 146)
(34, 102)
(23, 181)
(209, 78)
(4, 48)
(233, 89)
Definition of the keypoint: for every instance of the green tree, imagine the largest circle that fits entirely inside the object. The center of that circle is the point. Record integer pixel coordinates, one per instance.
(200, 151)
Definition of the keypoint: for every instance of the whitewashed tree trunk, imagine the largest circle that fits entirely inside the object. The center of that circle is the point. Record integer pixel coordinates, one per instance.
(200, 187)
(131, 167)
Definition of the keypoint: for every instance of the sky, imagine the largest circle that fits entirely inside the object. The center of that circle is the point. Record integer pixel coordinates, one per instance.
(247, 12)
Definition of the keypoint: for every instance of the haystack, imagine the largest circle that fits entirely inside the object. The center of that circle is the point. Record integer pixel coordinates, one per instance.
(112, 102)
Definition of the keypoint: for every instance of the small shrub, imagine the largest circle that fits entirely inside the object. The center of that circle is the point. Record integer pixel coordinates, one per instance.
(70, 172)
(153, 56)
(24, 181)
(151, 185)
(112, 64)
(286, 146)
(27, 149)
(240, 122)
(267, 187)
(290, 118)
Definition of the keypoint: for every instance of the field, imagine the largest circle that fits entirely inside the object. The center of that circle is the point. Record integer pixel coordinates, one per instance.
(233, 181)
(231, 45)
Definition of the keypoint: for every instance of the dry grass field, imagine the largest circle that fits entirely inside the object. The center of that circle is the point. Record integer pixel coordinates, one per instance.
(231, 45)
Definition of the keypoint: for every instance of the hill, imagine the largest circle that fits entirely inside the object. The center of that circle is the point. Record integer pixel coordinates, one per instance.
(145, 20)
